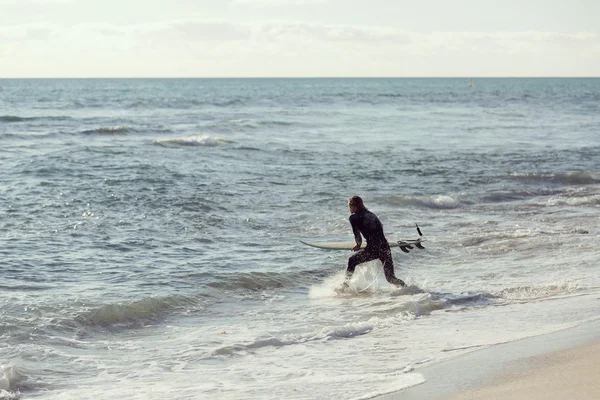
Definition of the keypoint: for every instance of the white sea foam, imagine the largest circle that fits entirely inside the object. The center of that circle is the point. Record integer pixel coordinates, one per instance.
(405, 381)
(573, 177)
(109, 130)
(441, 201)
(6, 395)
(365, 278)
(538, 291)
(9, 378)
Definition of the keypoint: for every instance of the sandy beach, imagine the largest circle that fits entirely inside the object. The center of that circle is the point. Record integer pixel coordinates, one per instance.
(567, 374)
(556, 366)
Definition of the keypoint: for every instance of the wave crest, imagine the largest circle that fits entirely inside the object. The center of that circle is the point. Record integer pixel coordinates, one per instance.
(110, 130)
(201, 141)
(537, 292)
(136, 313)
(439, 202)
(12, 118)
(415, 308)
(9, 382)
(347, 331)
(15, 118)
(566, 178)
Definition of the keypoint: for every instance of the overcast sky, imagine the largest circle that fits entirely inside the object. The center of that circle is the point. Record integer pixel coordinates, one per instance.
(299, 38)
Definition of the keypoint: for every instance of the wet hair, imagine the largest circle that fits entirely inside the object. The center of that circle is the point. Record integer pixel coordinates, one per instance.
(357, 202)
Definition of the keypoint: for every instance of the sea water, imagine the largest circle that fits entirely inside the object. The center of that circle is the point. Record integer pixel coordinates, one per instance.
(149, 231)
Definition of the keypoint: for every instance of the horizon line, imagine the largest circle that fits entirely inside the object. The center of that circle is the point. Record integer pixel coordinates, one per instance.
(308, 77)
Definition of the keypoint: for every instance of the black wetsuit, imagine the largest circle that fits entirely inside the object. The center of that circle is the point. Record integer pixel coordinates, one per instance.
(366, 223)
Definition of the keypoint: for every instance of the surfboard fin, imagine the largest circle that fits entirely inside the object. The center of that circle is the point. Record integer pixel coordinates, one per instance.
(405, 247)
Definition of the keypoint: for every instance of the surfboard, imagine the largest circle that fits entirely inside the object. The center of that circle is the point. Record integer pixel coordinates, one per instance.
(404, 245)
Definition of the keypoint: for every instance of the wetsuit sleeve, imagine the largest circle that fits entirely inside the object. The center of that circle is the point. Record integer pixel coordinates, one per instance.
(356, 232)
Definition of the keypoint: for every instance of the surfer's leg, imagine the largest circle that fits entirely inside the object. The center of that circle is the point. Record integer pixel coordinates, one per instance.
(359, 257)
(388, 268)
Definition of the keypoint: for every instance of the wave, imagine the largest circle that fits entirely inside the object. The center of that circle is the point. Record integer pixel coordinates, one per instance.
(392, 95)
(526, 293)
(438, 202)
(200, 141)
(255, 123)
(566, 178)
(347, 331)
(257, 281)
(408, 380)
(176, 103)
(10, 377)
(468, 299)
(6, 395)
(504, 197)
(14, 118)
(134, 314)
(111, 130)
(229, 102)
(410, 310)
(572, 201)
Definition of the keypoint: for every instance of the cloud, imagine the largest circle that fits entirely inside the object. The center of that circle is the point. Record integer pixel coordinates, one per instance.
(330, 33)
(24, 2)
(211, 30)
(277, 2)
(27, 32)
(197, 47)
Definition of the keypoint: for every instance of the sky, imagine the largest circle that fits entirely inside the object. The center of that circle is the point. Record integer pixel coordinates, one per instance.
(299, 38)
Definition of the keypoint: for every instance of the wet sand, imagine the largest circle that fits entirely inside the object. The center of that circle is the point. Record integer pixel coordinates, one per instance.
(566, 374)
(559, 365)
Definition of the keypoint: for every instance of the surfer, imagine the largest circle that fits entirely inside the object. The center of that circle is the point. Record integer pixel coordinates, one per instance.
(365, 223)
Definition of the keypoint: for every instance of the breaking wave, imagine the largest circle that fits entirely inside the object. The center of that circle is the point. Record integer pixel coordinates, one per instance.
(15, 118)
(526, 293)
(10, 377)
(134, 314)
(259, 281)
(347, 331)
(111, 130)
(201, 141)
(566, 178)
(424, 304)
(439, 202)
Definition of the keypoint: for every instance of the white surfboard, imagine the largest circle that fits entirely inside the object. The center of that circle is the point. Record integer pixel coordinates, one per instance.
(403, 244)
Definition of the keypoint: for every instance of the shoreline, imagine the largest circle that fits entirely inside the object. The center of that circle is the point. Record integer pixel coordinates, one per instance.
(538, 367)
(565, 374)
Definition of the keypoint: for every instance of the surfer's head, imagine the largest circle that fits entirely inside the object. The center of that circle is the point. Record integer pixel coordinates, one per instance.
(356, 204)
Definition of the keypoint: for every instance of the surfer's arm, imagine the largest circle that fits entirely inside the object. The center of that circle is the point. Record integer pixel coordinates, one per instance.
(357, 236)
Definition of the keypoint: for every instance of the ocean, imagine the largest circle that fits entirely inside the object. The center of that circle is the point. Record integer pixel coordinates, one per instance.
(150, 231)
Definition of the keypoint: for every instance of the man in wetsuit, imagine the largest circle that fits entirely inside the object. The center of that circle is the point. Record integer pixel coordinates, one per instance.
(366, 223)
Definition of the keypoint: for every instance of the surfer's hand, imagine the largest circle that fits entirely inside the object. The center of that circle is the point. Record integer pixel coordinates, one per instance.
(356, 248)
